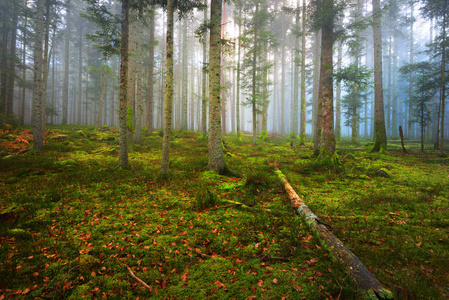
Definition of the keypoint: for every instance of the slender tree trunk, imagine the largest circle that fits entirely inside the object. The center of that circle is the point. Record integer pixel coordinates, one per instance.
(150, 97)
(65, 93)
(380, 137)
(12, 62)
(168, 91)
(327, 147)
(316, 121)
(123, 132)
(302, 130)
(282, 108)
(216, 157)
(184, 97)
(45, 64)
(24, 31)
(338, 96)
(443, 80)
(38, 130)
(265, 91)
(411, 131)
(239, 42)
(253, 92)
(139, 71)
(204, 82)
(223, 73)
(100, 104)
(294, 121)
(80, 76)
(131, 114)
(394, 114)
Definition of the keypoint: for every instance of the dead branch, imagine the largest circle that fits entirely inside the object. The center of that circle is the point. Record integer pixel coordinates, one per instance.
(140, 281)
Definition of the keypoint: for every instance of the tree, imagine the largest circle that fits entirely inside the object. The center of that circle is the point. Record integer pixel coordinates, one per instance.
(439, 9)
(425, 88)
(357, 81)
(380, 134)
(123, 146)
(150, 96)
(302, 129)
(204, 79)
(65, 94)
(216, 156)
(168, 90)
(38, 130)
(324, 15)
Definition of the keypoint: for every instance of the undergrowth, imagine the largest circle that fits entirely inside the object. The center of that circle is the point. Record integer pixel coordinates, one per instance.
(71, 222)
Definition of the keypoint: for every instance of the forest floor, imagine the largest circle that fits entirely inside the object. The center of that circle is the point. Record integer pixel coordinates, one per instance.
(71, 222)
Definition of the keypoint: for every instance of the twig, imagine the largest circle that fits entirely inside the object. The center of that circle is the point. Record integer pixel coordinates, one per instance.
(138, 279)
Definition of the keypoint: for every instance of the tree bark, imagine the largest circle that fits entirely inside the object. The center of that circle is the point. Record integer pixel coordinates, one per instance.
(365, 282)
(326, 94)
(65, 93)
(216, 157)
(204, 82)
(38, 130)
(380, 136)
(168, 91)
(139, 71)
(150, 97)
(184, 98)
(123, 132)
(302, 129)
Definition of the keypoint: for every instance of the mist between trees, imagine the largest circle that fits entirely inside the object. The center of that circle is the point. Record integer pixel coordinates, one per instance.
(309, 69)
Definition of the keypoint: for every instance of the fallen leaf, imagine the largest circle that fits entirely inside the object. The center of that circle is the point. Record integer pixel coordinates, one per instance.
(275, 280)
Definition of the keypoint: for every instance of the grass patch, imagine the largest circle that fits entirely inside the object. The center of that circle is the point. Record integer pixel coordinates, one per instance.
(70, 220)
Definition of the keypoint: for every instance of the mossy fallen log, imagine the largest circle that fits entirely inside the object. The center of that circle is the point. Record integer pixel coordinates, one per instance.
(366, 283)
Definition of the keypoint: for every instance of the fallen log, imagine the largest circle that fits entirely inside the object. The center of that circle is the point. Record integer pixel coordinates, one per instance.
(366, 283)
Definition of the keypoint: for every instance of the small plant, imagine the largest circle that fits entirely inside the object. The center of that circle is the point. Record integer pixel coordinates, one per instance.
(205, 199)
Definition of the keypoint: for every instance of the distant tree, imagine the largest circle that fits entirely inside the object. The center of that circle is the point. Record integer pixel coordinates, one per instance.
(439, 9)
(425, 87)
(357, 81)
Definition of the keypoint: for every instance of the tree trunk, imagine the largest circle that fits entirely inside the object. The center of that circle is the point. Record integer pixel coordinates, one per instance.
(294, 121)
(131, 115)
(12, 62)
(316, 120)
(184, 98)
(150, 97)
(326, 94)
(139, 71)
(100, 105)
(22, 106)
(411, 131)
(123, 132)
(168, 91)
(204, 82)
(443, 80)
(365, 282)
(253, 93)
(237, 104)
(380, 137)
(302, 130)
(216, 157)
(338, 96)
(80, 76)
(45, 64)
(65, 93)
(38, 130)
